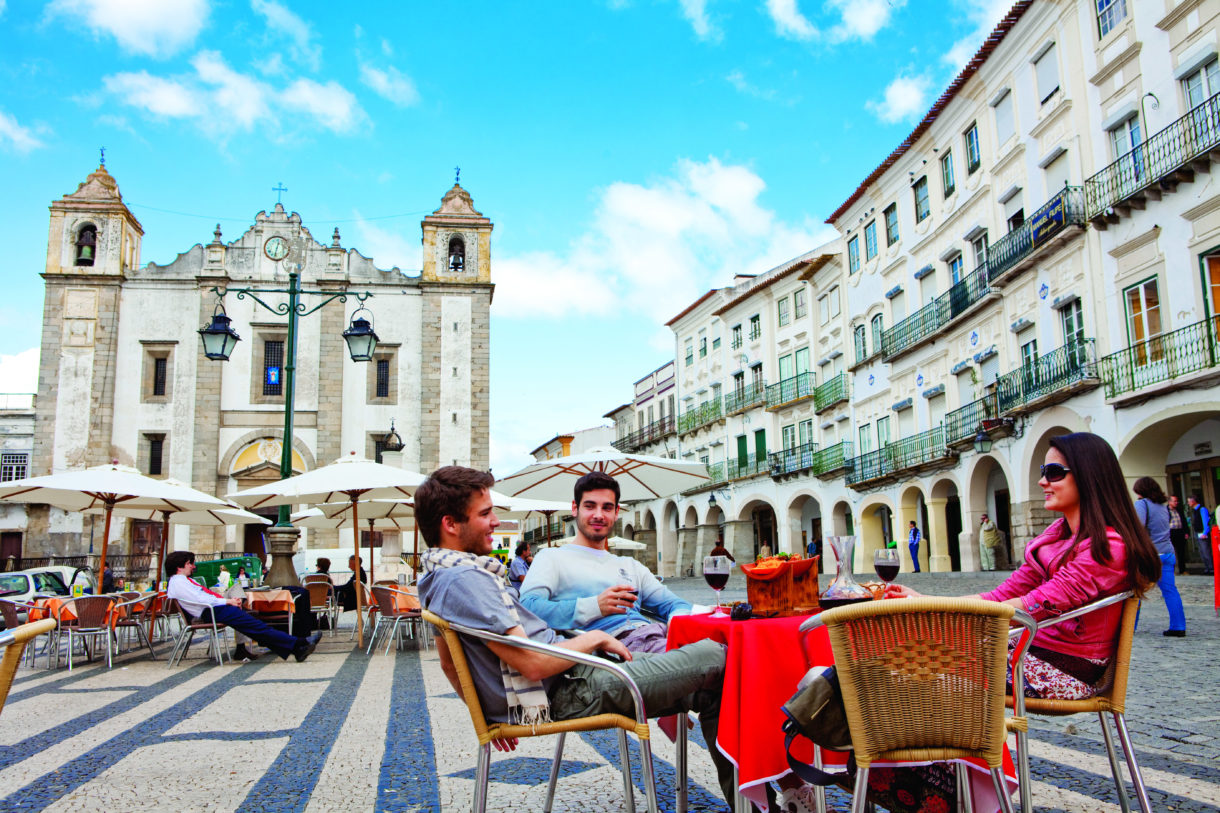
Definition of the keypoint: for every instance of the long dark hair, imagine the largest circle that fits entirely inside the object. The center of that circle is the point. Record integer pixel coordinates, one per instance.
(1150, 489)
(1104, 504)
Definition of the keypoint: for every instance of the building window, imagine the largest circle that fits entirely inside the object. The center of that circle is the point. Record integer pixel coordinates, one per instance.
(834, 301)
(1017, 220)
(14, 466)
(1143, 302)
(1046, 69)
(755, 327)
(955, 268)
(1072, 319)
(756, 377)
(853, 255)
(878, 324)
(979, 244)
(155, 454)
(860, 341)
(947, 180)
(802, 360)
(788, 436)
(785, 367)
(1124, 142)
(86, 245)
(716, 343)
(157, 372)
(273, 368)
(690, 352)
(865, 439)
(739, 384)
(735, 333)
(922, 207)
(1202, 84)
(1004, 126)
(781, 311)
(891, 224)
(800, 303)
(160, 366)
(870, 239)
(823, 309)
(974, 158)
(805, 430)
(703, 347)
(383, 378)
(1109, 14)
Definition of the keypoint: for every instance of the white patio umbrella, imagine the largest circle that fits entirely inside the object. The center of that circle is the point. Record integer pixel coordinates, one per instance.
(105, 487)
(623, 543)
(522, 507)
(378, 515)
(640, 477)
(349, 478)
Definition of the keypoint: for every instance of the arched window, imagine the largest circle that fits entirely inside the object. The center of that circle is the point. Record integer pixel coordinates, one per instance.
(457, 254)
(878, 325)
(86, 245)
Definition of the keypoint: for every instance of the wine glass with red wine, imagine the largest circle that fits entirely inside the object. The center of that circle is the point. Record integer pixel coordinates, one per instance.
(887, 564)
(716, 574)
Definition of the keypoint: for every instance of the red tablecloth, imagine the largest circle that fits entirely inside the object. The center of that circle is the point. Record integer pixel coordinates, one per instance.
(766, 659)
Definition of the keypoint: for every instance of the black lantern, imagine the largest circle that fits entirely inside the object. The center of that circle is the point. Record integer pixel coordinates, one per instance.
(360, 337)
(711, 500)
(219, 338)
(391, 442)
(982, 442)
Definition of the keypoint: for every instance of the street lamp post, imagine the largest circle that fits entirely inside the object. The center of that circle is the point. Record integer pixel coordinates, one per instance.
(219, 339)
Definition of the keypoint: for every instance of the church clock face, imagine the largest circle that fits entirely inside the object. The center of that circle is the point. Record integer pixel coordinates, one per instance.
(276, 248)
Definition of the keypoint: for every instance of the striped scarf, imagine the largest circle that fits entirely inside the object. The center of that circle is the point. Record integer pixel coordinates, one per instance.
(527, 700)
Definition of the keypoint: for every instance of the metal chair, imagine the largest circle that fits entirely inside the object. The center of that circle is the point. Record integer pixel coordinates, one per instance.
(322, 601)
(487, 731)
(128, 622)
(9, 609)
(1112, 701)
(15, 640)
(311, 578)
(216, 632)
(370, 608)
(394, 607)
(94, 615)
(923, 679)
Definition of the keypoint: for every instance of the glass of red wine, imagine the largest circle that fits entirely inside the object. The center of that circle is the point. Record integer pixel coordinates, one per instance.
(716, 574)
(887, 564)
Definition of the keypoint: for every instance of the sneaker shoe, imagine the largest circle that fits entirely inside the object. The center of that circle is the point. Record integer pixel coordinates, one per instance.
(240, 653)
(798, 800)
(306, 647)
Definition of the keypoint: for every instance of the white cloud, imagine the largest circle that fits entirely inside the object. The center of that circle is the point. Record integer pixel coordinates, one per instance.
(905, 98)
(789, 22)
(390, 84)
(167, 98)
(331, 104)
(862, 19)
(240, 98)
(1, 7)
(151, 27)
(695, 11)
(651, 248)
(738, 80)
(388, 249)
(983, 16)
(19, 372)
(282, 21)
(21, 139)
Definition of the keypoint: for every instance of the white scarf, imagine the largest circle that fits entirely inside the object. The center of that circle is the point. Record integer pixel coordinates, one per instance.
(527, 700)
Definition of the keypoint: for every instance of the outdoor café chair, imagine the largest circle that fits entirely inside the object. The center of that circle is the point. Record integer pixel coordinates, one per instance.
(391, 612)
(93, 617)
(9, 609)
(370, 608)
(923, 679)
(311, 578)
(322, 601)
(216, 632)
(486, 730)
(127, 621)
(15, 640)
(1112, 701)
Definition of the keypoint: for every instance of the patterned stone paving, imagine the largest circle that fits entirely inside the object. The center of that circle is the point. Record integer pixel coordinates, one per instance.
(345, 731)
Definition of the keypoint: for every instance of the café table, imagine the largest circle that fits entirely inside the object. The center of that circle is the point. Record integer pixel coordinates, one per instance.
(271, 601)
(766, 658)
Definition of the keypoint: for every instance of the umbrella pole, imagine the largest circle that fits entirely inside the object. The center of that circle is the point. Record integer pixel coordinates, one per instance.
(152, 613)
(356, 577)
(372, 576)
(415, 561)
(101, 568)
(546, 517)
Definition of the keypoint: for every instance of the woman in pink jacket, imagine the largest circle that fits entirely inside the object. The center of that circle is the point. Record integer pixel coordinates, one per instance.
(1096, 549)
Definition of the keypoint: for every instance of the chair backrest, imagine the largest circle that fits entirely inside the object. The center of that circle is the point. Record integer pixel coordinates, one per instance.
(1116, 697)
(387, 601)
(91, 611)
(9, 611)
(922, 677)
(311, 578)
(470, 694)
(319, 593)
(15, 639)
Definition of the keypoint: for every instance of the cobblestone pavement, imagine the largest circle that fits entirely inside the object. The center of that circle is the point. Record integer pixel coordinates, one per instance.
(345, 731)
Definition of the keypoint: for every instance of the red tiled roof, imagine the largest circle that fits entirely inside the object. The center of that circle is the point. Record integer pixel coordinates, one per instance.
(989, 45)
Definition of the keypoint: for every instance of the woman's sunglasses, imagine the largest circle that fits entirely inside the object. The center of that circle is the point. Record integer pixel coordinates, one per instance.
(1054, 472)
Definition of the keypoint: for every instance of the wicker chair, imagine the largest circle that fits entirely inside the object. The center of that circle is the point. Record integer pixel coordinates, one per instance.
(14, 641)
(129, 622)
(923, 680)
(391, 613)
(322, 600)
(93, 618)
(9, 609)
(216, 632)
(1112, 702)
(486, 731)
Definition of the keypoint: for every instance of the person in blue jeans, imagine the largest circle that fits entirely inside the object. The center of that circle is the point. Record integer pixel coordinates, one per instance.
(1200, 529)
(1152, 510)
(913, 537)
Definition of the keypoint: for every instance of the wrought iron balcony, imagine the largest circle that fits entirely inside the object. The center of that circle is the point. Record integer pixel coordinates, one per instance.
(963, 424)
(831, 459)
(699, 417)
(651, 433)
(1158, 163)
(539, 534)
(790, 390)
(831, 392)
(910, 453)
(738, 468)
(1063, 210)
(1164, 358)
(794, 459)
(1053, 377)
(746, 397)
(930, 319)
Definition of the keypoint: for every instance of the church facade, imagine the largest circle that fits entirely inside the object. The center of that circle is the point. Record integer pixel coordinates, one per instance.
(123, 375)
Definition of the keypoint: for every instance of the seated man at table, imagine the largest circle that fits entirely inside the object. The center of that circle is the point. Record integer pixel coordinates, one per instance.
(201, 603)
(345, 593)
(463, 584)
(583, 586)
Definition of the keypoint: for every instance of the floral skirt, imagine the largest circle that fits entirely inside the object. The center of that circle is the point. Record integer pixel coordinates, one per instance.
(1052, 675)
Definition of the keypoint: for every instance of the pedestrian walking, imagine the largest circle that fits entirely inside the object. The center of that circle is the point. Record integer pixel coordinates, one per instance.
(1200, 529)
(989, 541)
(913, 537)
(1154, 513)
(1177, 532)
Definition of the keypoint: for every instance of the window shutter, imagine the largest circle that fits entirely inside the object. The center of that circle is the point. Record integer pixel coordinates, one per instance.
(1047, 69)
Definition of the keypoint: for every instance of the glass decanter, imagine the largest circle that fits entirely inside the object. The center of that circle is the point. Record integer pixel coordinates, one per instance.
(844, 589)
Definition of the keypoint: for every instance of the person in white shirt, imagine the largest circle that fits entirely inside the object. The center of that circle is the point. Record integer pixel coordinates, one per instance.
(199, 602)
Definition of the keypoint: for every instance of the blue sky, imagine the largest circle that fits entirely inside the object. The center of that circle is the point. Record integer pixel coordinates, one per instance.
(632, 153)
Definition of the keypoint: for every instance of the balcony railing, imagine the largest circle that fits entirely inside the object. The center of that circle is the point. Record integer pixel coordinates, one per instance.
(1193, 135)
(832, 458)
(746, 397)
(796, 458)
(648, 434)
(700, 416)
(931, 318)
(1063, 210)
(751, 466)
(911, 452)
(540, 534)
(830, 392)
(963, 424)
(1056, 371)
(790, 389)
(1163, 358)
